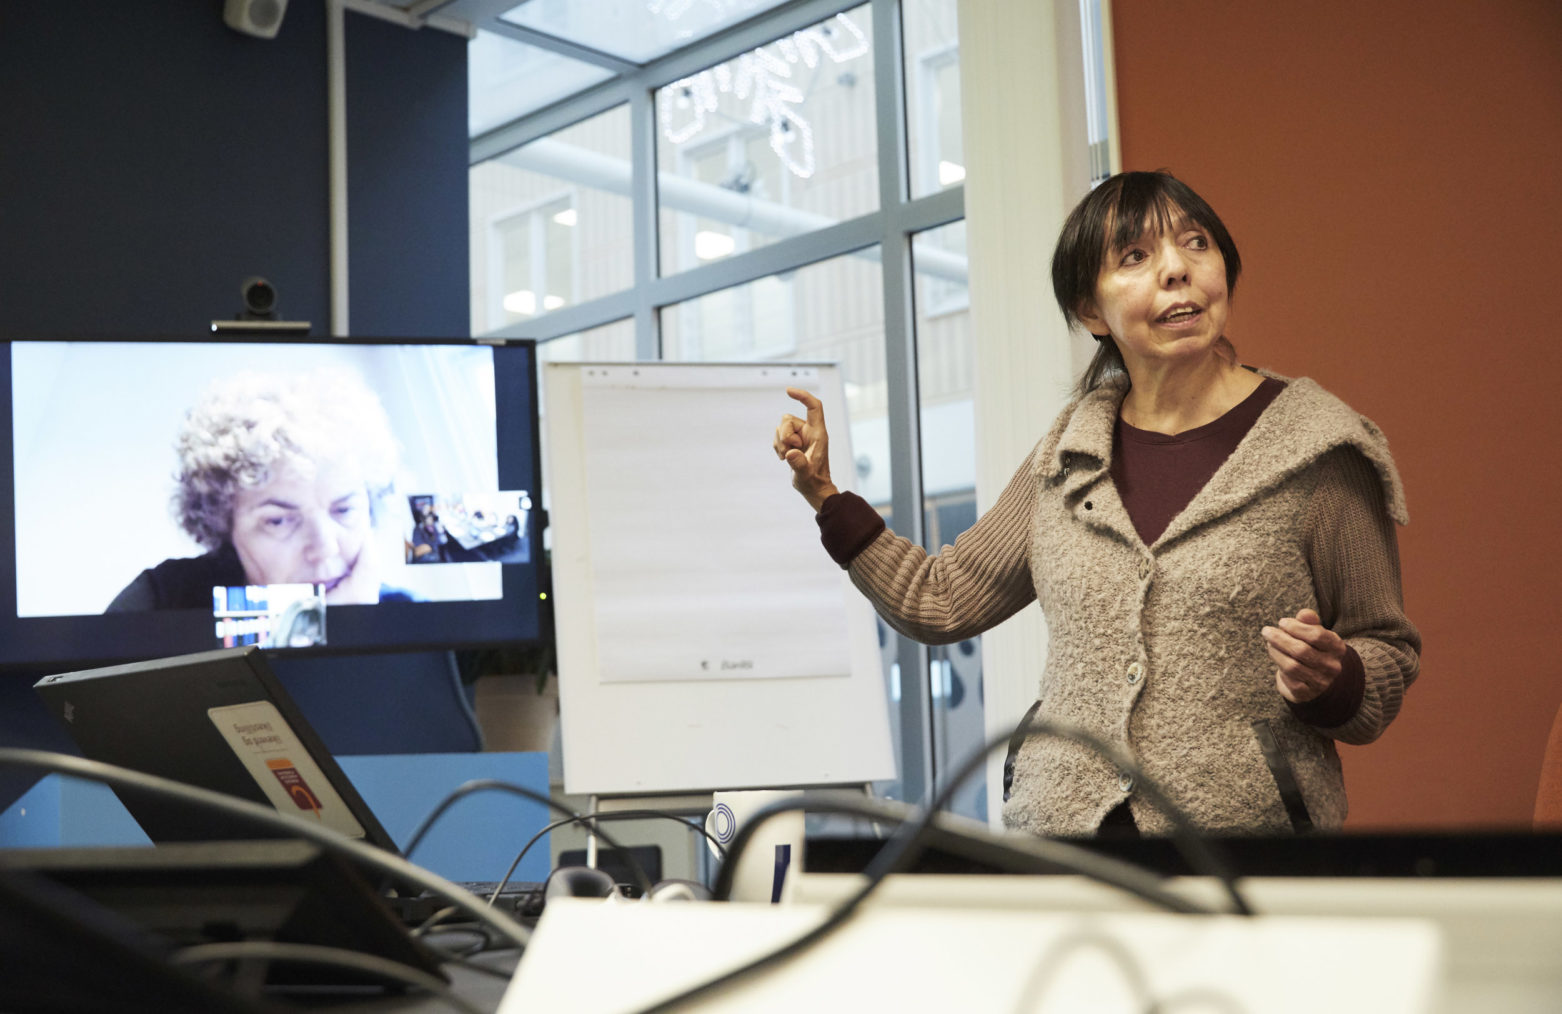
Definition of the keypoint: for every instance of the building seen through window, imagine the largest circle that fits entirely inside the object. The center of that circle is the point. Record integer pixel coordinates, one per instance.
(767, 151)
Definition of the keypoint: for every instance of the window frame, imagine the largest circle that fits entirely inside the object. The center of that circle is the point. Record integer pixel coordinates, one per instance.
(537, 249)
(733, 138)
(890, 227)
(929, 62)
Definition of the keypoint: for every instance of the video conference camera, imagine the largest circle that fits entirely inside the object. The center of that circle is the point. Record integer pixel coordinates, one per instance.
(259, 315)
(260, 299)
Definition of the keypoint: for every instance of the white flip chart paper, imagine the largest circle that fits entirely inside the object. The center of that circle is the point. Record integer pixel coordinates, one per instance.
(705, 565)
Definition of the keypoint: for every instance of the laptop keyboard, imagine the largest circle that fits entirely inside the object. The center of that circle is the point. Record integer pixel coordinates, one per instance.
(519, 899)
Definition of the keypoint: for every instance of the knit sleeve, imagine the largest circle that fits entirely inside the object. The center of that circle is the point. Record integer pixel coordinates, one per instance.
(972, 586)
(1354, 557)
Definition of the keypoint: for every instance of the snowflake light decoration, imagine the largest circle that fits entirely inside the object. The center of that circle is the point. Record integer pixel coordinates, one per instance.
(763, 77)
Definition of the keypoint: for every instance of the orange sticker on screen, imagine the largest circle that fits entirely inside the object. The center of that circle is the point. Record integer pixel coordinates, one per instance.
(294, 783)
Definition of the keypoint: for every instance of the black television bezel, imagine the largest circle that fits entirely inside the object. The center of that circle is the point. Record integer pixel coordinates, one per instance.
(519, 618)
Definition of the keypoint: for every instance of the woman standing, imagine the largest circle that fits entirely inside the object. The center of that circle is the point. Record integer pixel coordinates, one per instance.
(1212, 545)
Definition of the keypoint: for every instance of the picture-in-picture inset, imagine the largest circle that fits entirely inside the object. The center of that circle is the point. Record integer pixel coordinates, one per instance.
(490, 527)
(270, 616)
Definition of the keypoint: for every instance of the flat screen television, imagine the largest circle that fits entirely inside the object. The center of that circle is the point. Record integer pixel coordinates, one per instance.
(166, 496)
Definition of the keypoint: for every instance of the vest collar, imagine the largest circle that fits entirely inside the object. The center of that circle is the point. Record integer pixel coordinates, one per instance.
(1084, 448)
(1301, 425)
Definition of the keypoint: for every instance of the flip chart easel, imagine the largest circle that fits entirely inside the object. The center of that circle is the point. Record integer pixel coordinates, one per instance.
(699, 669)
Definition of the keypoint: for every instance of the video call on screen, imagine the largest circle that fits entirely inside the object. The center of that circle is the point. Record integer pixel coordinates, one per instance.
(264, 483)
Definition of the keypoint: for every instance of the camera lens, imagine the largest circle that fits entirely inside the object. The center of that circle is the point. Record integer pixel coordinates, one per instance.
(259, 296)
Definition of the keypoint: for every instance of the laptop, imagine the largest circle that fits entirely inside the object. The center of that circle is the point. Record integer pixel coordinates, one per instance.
(220, 720)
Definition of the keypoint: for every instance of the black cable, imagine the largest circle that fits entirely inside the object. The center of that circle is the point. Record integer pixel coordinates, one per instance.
(315, 954)
(904, 846)
(470, 962)
(1203, 856)
(1024, 853)
(1046, 853)
(494, 785)
(465, 789)
(598, 815)
(436, 920)
(467, 959)
(436, 924)
(433, 922)
(692, 825)
(458, 687)
(372, 856)
(1011, 852)
(516, 862)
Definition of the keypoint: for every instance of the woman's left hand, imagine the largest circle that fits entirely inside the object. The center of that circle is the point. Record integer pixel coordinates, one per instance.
(1309, 655)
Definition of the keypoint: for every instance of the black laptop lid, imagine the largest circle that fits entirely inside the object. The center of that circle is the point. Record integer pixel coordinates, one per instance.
(218, 720)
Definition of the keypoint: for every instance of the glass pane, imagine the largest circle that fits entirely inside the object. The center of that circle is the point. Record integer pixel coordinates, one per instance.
(519, 292)
(634, 30)
(778, 141)
(933, 95)
(506, 79)
(827, 312)
(559, 222)
(946, 394)
(1096, 120)
(551, 223)
(609, 343)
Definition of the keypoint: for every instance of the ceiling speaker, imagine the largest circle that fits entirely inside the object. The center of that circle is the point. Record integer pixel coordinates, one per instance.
(260, 18)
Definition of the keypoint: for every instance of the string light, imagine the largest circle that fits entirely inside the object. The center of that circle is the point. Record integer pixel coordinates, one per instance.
(762, 77)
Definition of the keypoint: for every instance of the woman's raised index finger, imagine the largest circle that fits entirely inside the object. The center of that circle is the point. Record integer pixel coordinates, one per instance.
(814, 406)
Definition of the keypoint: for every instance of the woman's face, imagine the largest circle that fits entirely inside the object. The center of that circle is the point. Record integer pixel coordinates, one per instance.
(1162, 296)
(309, 529)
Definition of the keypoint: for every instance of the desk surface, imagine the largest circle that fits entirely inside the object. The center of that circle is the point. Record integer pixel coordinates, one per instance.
(957, 957)
(479, 989)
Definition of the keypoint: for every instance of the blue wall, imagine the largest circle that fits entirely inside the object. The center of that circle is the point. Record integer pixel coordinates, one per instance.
(407, 175)
(151, 159)
(475, 839)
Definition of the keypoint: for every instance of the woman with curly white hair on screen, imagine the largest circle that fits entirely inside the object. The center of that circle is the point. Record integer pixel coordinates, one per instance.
(281, 480)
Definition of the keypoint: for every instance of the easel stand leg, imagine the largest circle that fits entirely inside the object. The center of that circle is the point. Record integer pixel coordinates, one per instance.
(591, 833)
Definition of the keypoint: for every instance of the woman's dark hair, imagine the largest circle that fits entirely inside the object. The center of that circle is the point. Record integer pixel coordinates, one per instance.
(1113, 215)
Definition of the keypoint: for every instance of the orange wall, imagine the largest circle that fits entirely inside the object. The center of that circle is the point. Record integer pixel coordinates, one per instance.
(1390, 170)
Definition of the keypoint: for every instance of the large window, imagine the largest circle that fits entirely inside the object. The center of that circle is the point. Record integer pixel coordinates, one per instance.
(775, 142)
(634, 30)
(735, 190)
(551, 223)
(932, 61)
(507, 79)
(851, 334)
(533, 256)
